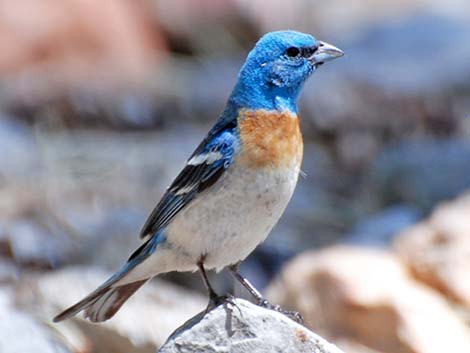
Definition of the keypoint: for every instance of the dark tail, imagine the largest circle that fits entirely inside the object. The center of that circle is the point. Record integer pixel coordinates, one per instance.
(103, 303)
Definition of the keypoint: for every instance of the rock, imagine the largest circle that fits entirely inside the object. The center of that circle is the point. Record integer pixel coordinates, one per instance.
(346, 20)
(244, 327)
(19, 151)
(53, 42)
(406, 172)
(437, 250)
(31, 243)
(20, 332)
(142, 324)
(367, 296)
(379, 230)
(409, 74)
(351, 346)
(9, 272)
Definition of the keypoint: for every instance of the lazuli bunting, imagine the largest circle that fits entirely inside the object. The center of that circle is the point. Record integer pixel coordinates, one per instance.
(236, 184)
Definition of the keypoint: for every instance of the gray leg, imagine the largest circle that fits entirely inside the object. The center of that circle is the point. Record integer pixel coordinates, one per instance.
(210, 291)
(261, 301)
(214, 299)
(234, 271)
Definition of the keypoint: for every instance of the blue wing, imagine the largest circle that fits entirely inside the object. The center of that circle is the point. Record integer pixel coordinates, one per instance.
(205, 166)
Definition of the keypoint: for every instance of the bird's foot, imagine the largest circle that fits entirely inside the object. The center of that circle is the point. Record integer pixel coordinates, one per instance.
(291, 314)
(216, 300)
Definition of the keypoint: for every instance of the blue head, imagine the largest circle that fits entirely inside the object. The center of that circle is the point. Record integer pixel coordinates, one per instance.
(276, 69)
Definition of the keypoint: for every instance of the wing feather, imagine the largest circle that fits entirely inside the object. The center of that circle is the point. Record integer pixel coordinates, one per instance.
(205, 166)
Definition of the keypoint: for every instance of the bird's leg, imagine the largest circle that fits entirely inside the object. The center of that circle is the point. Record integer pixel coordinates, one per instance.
(202, 271)
(234, 271)
(260, 300)
(214, 299)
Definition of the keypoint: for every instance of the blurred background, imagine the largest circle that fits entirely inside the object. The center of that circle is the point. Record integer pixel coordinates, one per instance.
(102, 101)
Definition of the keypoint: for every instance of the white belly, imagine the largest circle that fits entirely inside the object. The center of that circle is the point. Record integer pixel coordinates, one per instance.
(228, 221)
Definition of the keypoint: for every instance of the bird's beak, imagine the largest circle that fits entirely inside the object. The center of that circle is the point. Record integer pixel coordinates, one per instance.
(324, 53)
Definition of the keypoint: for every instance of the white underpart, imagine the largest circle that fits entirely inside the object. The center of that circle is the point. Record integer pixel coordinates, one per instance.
(225, 223)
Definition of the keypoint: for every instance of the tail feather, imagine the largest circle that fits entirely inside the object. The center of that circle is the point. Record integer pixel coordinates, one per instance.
(106, 306)
(105, 301)
(102, 304)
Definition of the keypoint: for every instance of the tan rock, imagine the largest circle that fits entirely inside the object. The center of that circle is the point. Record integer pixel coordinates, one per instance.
(367, 296)
(74, 42)
(351, 346)
(142, 324)
(438, 249)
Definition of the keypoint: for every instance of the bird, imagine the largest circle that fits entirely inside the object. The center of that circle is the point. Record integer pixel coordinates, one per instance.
(234, 187)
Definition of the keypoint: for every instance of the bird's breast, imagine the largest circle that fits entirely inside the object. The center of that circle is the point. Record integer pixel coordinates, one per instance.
(270, 139)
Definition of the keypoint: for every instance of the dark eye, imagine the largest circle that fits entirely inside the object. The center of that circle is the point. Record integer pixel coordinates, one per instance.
(293, 52)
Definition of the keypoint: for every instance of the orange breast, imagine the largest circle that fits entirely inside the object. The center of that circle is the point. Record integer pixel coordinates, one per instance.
(270, 139)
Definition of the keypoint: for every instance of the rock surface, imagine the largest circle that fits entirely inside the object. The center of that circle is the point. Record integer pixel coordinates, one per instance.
(437, 250)
(367, 296)
(20, 332)
(244, 327)
(66, 39)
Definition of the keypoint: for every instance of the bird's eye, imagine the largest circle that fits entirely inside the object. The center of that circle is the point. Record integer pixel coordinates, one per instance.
(293, 52)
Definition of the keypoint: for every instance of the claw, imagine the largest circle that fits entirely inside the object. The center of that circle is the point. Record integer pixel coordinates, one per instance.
(216, 300)
(291, 314)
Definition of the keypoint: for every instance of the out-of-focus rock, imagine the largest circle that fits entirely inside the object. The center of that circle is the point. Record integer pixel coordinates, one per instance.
(32, 245)
(415, 73)
(379, 230)
(351, 346)
(141, 325)
(68, 41)
(18, 149)
(437, 250)
(245, 327)
(20, 332)
(350, 18)
(367, 296)
(407, 172)
(9, 272)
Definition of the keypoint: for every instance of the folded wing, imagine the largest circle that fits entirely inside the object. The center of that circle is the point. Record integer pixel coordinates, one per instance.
(205, 166)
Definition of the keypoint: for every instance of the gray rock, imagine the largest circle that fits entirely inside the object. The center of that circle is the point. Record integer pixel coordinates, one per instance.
(244, 327)
(21, 332)
(379, 229)
(31, 243)
(377, 56)
(421, 172)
